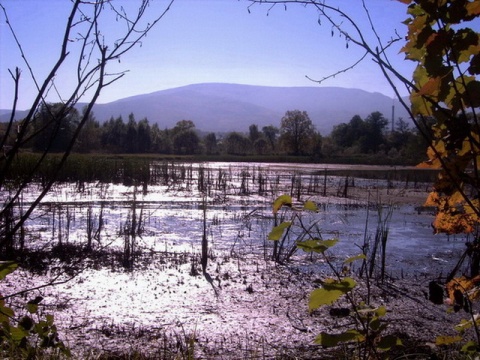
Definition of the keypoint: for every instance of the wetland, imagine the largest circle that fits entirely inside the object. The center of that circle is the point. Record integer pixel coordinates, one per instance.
(176, 261)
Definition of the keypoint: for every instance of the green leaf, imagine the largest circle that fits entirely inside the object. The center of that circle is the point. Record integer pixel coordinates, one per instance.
(32, 308)
(464, 325)
(470, 347)
(6, 267)
(447, 340)
(17, 333)
(355, 258)
(316, 245)
(319, 297)
(6, 313)
(389, 341)
(376, 325)
(381, 311)
(49, 318)
(277, 232)
(310, 206)
(331, 291)
(281, 201)
(330, 340)
(345, 285)
(26, 323)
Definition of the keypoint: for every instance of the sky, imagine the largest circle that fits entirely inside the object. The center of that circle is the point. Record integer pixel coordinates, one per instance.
(202, 41)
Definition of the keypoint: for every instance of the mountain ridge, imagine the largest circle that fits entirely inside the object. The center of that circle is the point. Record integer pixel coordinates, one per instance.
(223, 107)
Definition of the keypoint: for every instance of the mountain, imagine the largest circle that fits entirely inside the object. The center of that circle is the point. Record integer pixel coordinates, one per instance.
(222, 107)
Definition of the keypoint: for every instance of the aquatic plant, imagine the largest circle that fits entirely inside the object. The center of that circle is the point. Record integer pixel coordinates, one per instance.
(369, 330)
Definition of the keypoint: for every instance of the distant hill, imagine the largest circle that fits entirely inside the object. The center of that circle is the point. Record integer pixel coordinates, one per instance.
(222, 107)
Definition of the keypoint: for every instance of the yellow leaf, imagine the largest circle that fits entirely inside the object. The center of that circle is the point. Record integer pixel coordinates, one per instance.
(466, 147)
(453, 223)
(431, 87)
(277, 232)
(432, 199)
(281, 201)
(433, 162)
(455, 198)
(419, 106)
(464, 285)
(310, 206)
(447, 340)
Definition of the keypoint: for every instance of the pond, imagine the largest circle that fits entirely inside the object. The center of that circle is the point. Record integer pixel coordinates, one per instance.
(158, 227)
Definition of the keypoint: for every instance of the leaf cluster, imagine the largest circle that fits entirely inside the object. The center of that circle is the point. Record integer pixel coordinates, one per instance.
(446, 87)
(368, 330)
(30, 335)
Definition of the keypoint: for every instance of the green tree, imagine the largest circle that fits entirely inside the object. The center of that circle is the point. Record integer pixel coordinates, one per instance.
(184, 138)
(144, 140)
(90, 136)
(375, 126)
(253, 133)
(271, 132)
(114, 133)
(295, 131)
(260, 146)
(351, 134)
(236, 144)
(315, 146)
(186, 142)
(53, 127)
(131, 135)
(183, 125)
(210, 142)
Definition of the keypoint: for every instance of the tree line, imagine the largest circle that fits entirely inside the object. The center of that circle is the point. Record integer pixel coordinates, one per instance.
(296, 136)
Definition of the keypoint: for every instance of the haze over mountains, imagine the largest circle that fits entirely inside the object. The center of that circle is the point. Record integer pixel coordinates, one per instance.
(219, 107)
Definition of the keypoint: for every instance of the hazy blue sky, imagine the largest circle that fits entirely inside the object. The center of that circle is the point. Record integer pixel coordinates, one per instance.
(210, 41)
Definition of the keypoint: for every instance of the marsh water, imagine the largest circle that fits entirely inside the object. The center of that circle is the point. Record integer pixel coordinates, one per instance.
(163, 221)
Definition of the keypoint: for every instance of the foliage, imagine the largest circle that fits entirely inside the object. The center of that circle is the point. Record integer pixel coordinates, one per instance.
(28, 336)
(236, 144)
(368, 332)
(370, 136)
(446, 87)
(210, 141)
(53, 127)
(295, 131)
(461, 292)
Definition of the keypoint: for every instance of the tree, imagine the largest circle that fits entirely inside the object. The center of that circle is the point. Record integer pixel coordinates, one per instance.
(183, 125)
(375, 126)
(114, 133)
(315, 146)
(253, 133)
(352, 134)
(270, 132)
(236, 144)
(87, 44)
(143, 136)
(295, 131)
(186, 142)
(53, 127)
(260, 146)
(131, 138)
(90, 136)
(184, 138)
(210, 142)
(444, 45)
